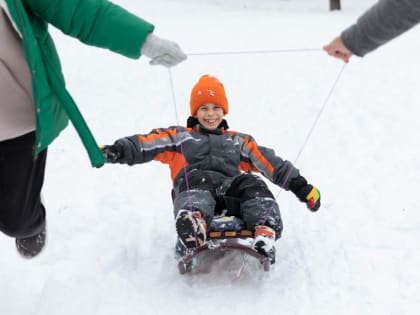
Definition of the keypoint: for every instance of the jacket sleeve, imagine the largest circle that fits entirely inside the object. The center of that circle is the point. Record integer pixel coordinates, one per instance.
(95, 22)
(263, 159)
(384, 21)
(160, 145)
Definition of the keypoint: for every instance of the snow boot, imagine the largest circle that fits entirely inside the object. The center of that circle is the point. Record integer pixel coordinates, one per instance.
(191, 228)
(29, 247)
(264, 242)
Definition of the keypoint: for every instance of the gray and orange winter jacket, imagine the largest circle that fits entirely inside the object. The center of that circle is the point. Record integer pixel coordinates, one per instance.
(223, 153)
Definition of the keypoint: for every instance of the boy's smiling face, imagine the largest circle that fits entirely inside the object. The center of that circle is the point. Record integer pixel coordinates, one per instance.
(210, 115)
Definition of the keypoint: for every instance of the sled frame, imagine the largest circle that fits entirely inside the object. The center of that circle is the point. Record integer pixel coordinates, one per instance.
(222, 240)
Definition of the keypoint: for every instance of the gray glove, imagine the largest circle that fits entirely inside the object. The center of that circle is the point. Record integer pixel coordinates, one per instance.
(162, 51)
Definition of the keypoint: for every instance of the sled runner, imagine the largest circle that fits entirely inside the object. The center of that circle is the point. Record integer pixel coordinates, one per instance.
(225, 233)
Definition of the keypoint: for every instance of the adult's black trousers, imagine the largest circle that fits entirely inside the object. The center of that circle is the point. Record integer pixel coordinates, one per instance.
(22, 213)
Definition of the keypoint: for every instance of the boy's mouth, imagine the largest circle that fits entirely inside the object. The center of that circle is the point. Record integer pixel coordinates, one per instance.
(210, 121)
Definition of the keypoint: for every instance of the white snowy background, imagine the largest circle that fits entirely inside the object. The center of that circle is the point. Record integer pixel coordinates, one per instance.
(111, 232)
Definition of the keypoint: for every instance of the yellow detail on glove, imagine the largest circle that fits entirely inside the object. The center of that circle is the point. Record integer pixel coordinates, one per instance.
(314, 194)
(313, 199)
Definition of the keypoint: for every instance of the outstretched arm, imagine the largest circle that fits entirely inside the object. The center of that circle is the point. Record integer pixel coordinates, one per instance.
(160, 145)
(104, 24)
(384, 21)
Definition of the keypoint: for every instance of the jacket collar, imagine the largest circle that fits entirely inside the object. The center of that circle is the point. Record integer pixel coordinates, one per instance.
(217, 131)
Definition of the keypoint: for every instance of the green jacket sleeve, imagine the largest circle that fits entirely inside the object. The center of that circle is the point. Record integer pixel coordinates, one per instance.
(95, 22)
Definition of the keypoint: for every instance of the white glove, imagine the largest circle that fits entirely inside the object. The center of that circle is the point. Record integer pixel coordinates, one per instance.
(162, 51)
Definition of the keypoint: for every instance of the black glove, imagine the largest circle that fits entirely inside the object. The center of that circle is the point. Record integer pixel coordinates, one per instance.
(306, 193)
(112, 153)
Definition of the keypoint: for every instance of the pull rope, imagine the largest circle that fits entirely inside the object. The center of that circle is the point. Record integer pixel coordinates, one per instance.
(184, 167)
(171, 82)
(324, 105)
(314, 124)
(310, 132)
(255, 52)
(308, 136)
(305, 142)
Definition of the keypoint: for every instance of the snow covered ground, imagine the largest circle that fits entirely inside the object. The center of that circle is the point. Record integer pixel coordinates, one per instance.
(111, 231)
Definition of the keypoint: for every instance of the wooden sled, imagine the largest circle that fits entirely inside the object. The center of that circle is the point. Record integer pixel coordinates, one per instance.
(229, 237)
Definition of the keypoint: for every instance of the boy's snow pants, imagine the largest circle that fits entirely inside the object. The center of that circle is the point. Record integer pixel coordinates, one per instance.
(22, 213)
(246, 196)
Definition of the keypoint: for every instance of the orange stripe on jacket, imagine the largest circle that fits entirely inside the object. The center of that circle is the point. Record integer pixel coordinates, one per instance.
(175, 160)
(254, 150)
(247, 167)
(156, 136)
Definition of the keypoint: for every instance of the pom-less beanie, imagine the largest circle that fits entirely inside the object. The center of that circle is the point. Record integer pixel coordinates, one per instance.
(208, 90)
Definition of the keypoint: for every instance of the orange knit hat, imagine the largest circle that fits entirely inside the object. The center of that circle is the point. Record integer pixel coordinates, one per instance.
(208, 90)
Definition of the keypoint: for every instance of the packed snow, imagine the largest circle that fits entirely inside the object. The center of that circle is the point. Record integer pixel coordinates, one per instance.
(111, 232)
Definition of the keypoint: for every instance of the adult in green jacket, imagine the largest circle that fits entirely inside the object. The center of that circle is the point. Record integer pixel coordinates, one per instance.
(35, 105)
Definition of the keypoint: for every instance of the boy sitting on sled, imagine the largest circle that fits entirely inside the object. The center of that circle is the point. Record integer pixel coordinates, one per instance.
(211, 169)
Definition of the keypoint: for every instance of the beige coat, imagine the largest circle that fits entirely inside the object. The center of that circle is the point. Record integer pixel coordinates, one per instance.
(17, 110)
